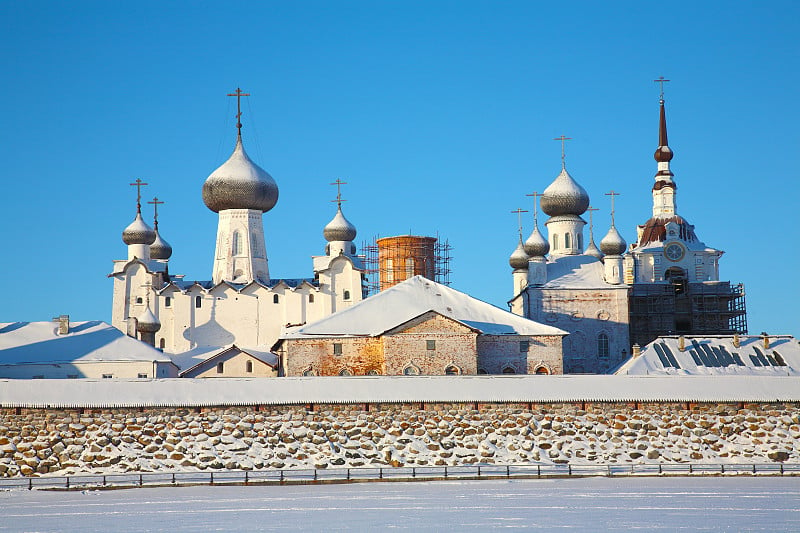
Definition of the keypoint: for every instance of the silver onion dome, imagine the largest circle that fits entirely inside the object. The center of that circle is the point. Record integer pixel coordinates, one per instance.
(593, 250)
(160, 249)
(147, 322)
(613, 243)
(138, 232)
(339, 229)
(564, 196)
(536, 245)
(240, 184)
(519, 259)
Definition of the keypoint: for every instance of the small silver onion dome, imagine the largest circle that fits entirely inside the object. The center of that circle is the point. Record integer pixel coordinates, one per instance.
(564, 197)
(613, 243)
(160, 249)
(519, 259)
(339, 229)
(138, 232)
(240, 184)
(147, 322)
(536, 245)
(593, 250)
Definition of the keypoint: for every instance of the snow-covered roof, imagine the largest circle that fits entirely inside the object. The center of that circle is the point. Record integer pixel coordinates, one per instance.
(576, 272)
(98, 393)
(190, 359)
(717, 355)
(412, 298)
(39, 342)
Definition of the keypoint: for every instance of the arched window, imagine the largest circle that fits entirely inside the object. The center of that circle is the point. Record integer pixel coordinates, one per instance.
(373, 373)
(236, 243)
(411, 370)
(541, 371)
(580, 241)
(220, 368)
(566, 240)
(482, 371)
(138, 299)
(345, 372)
(249, 367)
(509, 370)
(602, 345)
(308, 371)
(275, 299)
(162, 344)
(346, 295)
(452, 370)
(254, 248)
(311, 298)
(555, 242)
(198, 301)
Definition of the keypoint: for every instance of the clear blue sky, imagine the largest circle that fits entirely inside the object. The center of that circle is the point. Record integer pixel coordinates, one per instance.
(440, 116)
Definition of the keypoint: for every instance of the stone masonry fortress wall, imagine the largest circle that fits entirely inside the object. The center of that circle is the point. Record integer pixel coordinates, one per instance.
(37, 440)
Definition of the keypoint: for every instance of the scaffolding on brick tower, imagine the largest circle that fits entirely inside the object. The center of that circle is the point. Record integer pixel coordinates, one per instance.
(390, 260)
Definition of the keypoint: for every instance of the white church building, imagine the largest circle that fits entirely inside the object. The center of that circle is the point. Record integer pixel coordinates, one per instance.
(241, 304)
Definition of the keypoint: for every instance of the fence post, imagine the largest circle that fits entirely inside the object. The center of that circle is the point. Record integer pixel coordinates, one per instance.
(212, 478)
(315, 474)
(348, 474)
(690, 468)
(246, 477)
(609, 470)
(104, 481)
(569, 469)
(479, 470)
(414, 471)
(754, 468)
(508, 471)
(781, 468)
(722, 468)
(380, 473)
(173, 478)
(445, 472)
(67, 481)
(659, 469)
(281, 475)
(30, 483)
(140, 480)
(539, 471)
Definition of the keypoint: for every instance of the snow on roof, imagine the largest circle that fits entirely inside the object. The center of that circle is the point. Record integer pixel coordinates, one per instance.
(196, 356)
(412, 298)
(183, 392)
(39, 342)
(717, 355)
(576, 272)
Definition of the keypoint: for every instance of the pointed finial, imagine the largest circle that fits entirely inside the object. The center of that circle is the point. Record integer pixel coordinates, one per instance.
(591, 221)
(339, 184)
(238, 94)
(138, 184)
(535, 195)
(519, 212)
(612, 194)
(156, 202)
(661, 81)
(563, 152)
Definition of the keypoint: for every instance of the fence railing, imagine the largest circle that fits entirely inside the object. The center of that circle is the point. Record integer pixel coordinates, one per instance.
(388, 473)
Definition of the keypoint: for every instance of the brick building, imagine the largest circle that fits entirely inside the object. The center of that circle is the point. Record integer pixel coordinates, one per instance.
(419, 327)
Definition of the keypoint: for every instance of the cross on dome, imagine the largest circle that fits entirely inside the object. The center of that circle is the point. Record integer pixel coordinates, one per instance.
(563, 139)
(519, 212)
(612, 194)
(339, 184)
(238, 94)
(661, 81)
(535, 195)
(155, 202)
(138, 184)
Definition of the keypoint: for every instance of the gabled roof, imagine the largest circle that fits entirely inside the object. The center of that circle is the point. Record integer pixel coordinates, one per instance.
(39, 342)
(717, 355)
(188, 361)
(410, 299)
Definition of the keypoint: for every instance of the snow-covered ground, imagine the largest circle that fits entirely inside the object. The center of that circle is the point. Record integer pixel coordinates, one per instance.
(591, 504)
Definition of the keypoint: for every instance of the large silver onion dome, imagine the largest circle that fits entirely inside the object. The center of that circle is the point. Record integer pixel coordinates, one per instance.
(519, 259)
(593, 250)
(240, 184)
(536, 245)
(564, 196)
(160, 249)
(147, 322)
(138, 232)
(613, 243)
(339, 229)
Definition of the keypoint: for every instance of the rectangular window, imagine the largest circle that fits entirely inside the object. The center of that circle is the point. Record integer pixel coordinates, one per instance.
(167, 302)
(524, 346)
(430, 345)
(142, 375)
(220, 368)
(337, 348)
(108, 376)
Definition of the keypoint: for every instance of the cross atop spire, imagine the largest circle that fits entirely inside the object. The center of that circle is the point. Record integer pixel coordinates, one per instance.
(238, 94)
(536, 196)
(662, 81)
(138, 184)
(591, 221)
(519, 212)
(156, 202)
(563, 153)
(612, 194)
(339, 184)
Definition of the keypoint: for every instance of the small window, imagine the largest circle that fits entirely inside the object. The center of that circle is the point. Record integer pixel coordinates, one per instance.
(346, 295)
(167, 301)
(482, 371)
(452, 370)
(198, 301)
(138, 299)
(249, 367)
(162, 344)
(345, 372)
(220, 368)
(541, 371)
(524, 346)
(308, 372)
(108, 376)
(373, 373)
(337, 348)
(311, 298)
(142, 375)
(509, 370)
(275, 299)
(602, 345)
(555, 242)
(566, 240)
(430, 344)
(411, 370)
(236, 245)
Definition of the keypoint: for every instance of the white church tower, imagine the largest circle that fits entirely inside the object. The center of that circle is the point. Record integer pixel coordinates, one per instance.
(240, 192)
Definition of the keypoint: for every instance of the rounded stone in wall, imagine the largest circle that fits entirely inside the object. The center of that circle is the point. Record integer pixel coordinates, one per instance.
(603, 315)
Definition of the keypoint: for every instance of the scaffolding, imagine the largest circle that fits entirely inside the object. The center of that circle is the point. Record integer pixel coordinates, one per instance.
(390, 260)
(689, 308)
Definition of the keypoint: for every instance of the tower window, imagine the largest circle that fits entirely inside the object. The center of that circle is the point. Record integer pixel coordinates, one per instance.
(220, 368)
(254, 248)
(236, 243)
(337, 348)
(275, 299)
(167, 301)
(566, 240)
(162, 344)
(602, 345)
(345, 372)
(524, 346)
(451, 370)
(411, 370)
(430, 344)
(311, 298)
(580, 241)
(555, 242)
(138, 299)
(198, 302)
(509, 370)
(346, 295)
(249, 367)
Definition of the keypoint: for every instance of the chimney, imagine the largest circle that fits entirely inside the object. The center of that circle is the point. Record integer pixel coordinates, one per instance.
(682, 343)
(736, 342)
(766, 341)
(637, 351)
(63, 324)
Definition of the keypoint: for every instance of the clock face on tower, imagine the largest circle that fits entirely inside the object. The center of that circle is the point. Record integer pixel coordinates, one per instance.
(674, 252)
